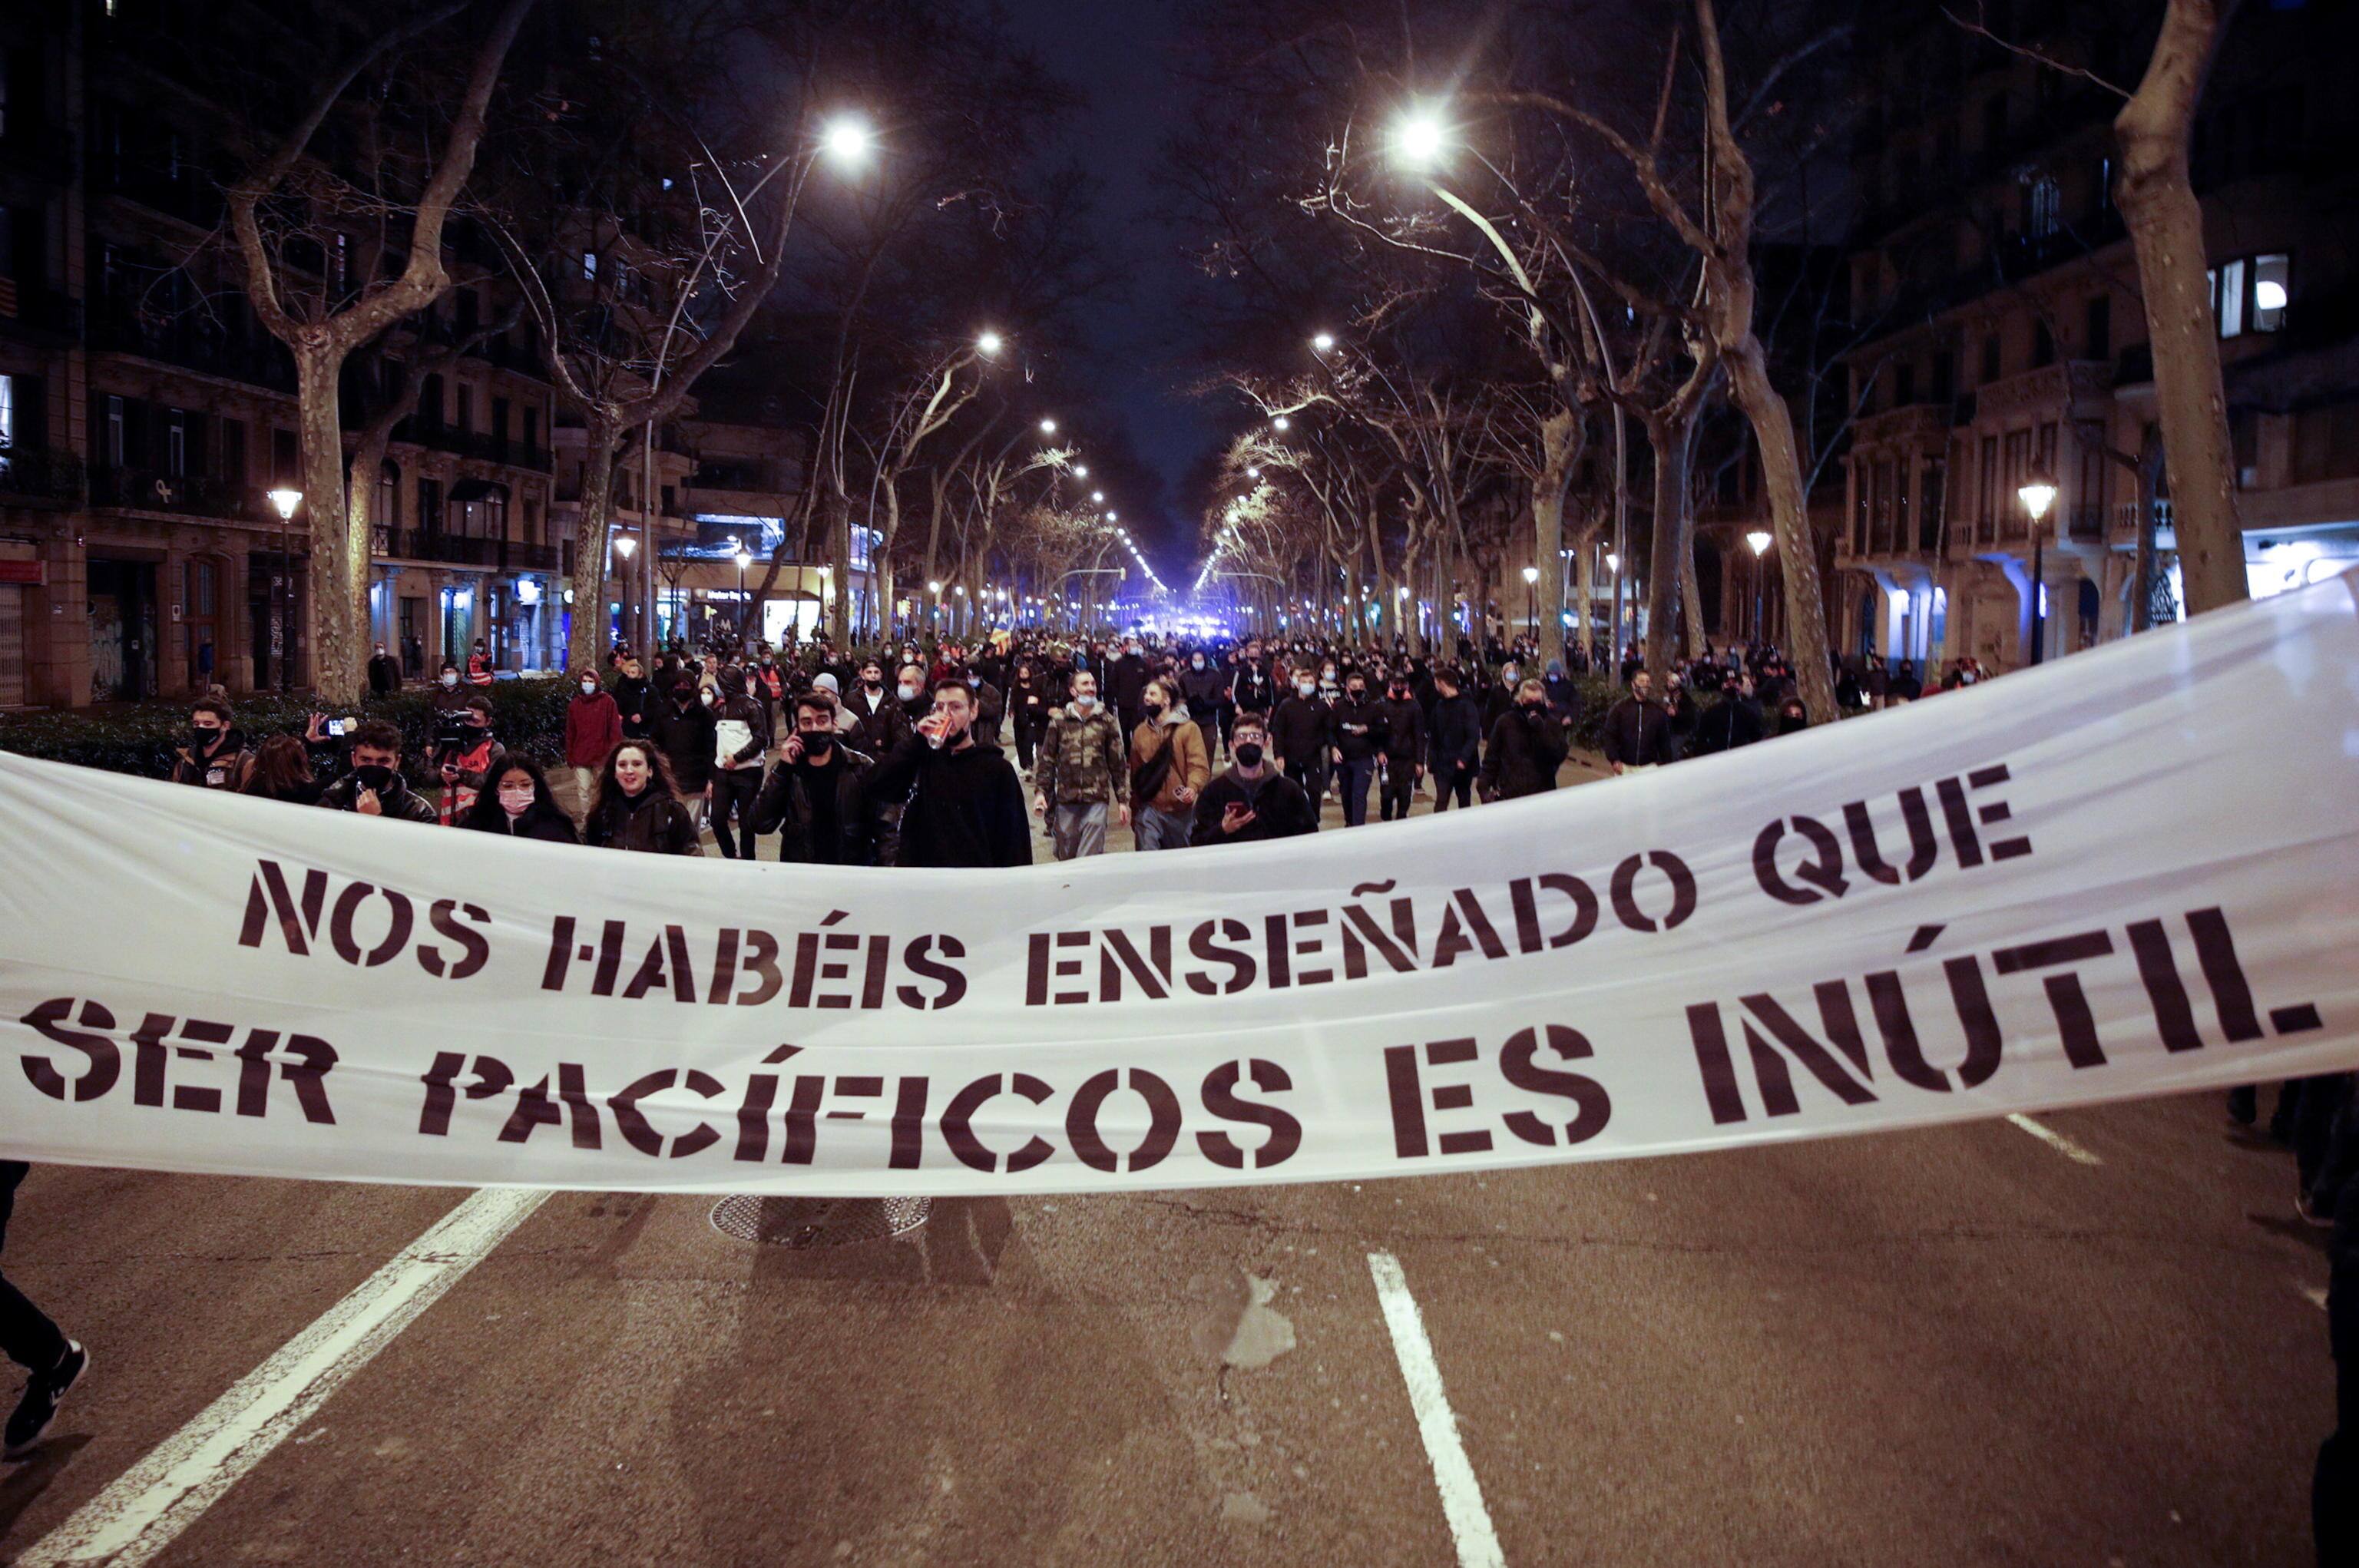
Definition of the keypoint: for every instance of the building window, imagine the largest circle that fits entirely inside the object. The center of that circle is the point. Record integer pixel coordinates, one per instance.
(2097, 328)
(2272, 290)
(285, 460)
(590, 264)
(1945, 377)
(1904, 385)
(1930, 506)
(8, 415)
(115, 441)
(466, 407)
(175, 442)
(1986, 493)
(429, 506)
(2043, 344)
(2043, 204)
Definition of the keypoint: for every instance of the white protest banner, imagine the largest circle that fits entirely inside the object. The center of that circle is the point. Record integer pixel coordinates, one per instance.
(2130, 873)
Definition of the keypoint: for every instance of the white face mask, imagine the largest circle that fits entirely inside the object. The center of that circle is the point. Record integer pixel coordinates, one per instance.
(1083, 701)
(908, 693)
(450, 678)
(1306, 687)
(589, 688)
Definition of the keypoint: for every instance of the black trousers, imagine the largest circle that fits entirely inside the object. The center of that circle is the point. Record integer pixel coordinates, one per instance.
(1458, 784)
(1400, 785)
(1228, 723)
(2334, 1487)
(26, 1335)
(733, 789)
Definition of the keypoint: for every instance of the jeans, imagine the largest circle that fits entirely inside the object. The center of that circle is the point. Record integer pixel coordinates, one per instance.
(1352, 776)
(1460, 784)
(733, 796)
(1162, 830)
(26, 1335)
(1078, 830)
(1400, 786)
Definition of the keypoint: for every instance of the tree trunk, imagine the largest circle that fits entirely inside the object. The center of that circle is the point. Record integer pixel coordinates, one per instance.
(1670, 435)
(1789, 519)
(585, 647)
(2165, 228)
(1560, 435)
(337, 662)
(1690, 595)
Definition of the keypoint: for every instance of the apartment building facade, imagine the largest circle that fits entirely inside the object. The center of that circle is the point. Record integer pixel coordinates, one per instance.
(2014, 342)
(145, 415)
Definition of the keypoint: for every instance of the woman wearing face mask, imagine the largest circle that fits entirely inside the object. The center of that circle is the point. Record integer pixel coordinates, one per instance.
(448, 697)
(519, 804)
(593, 726)
(637, 806)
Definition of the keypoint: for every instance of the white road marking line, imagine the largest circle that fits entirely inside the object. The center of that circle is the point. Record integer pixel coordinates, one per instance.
(2054, 1140)
(1462, 1495)
(151, 1503)
(2317, 1296)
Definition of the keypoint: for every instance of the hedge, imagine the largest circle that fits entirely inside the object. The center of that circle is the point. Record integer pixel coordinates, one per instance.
(528, 715)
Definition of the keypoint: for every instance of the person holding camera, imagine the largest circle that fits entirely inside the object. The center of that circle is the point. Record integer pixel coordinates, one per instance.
(465, 755)
(375, 786)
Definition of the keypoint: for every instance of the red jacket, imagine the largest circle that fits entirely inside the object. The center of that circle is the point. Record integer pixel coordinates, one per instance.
(593, 726)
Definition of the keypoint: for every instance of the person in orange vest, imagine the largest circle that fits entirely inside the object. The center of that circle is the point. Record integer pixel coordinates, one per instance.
(479, 665)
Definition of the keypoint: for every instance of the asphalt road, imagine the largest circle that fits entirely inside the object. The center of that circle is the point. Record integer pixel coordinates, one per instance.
(1964, 1345)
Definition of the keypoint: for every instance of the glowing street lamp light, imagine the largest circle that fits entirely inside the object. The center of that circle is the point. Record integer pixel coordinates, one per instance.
(2038, 496)
(625, 544)
(1081, 471)
(2038, 493)
(1281, 423)
(1098, 496)
(1322, 342)
(1759, 539)
(989, 343)
(1047, 427)
(286, 501)
(1420, 138)
(847, 139)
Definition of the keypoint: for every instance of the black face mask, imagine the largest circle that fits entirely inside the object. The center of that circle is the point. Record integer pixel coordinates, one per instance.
(1356, 692)
(374, 778)
(817, 746)
(1152, 708)
(200, 739)
(1248, 753)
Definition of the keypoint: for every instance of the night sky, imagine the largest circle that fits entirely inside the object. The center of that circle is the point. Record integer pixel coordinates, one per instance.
(1116, 52)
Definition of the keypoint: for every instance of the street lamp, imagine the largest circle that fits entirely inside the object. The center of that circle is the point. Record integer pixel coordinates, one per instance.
(2038, 493)
(282, 587)
(1098, 496)
(1047, 427)
(1420, 138)
(1532, 598)
(989, 343)
(1322, 342)
(744, 608)
(1759, 539)
(847, 139)
(1081, 471)
(1281, 423)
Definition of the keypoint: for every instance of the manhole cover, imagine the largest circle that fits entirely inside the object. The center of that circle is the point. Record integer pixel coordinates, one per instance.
(818, 1222)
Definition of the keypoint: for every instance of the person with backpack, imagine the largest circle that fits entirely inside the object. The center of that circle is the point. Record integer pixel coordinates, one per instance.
(1170, 766)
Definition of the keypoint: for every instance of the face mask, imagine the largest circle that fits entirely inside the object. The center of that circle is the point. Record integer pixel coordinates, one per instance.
(374, 778)
(1357, 692)
(1152, 708)
(707, 696)
(1084, 702)
(1306, 687)
(817, 744)
(1197, 663)
(450, 678)
(1248, 753)
(516, 799)
(589, 688)
(908, 693)
(872, 681)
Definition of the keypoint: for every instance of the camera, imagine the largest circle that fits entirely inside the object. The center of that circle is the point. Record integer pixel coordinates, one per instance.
(453, 734)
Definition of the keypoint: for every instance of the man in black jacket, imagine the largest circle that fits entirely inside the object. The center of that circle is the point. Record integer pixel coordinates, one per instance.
(878, 721)
(1302, 733)
(1404, 745)
(1204, 687)
(1125, 682)
(383, 673)
(1637, 731)
(737, 768)
(375, 786)
(1251, 801)
(1527, 747)
(1736, 720)
(1457, 741)
(1360, 727)
(817, 800)
(965, 805)
(682, 728)
(1251, 691)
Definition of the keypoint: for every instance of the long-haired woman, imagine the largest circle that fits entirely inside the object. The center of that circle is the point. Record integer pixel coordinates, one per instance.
(515, 800)
(636, 806)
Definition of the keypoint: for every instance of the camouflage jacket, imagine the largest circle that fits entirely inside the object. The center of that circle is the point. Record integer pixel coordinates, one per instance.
(1080, 760)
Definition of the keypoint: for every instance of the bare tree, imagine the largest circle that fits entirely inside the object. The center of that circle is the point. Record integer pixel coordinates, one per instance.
(288, 195)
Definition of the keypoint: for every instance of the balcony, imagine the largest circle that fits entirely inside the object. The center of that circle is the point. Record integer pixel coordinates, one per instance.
(152, 490)
(194, 344)
(452, 550)
(479, 444)
(27, 309)
(2084, 525)
(39, 476)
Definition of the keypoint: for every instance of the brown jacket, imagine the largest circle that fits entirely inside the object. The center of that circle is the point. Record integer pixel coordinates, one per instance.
(1192, 764)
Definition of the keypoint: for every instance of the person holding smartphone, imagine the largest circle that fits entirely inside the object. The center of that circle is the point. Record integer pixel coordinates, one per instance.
(1252, 800)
